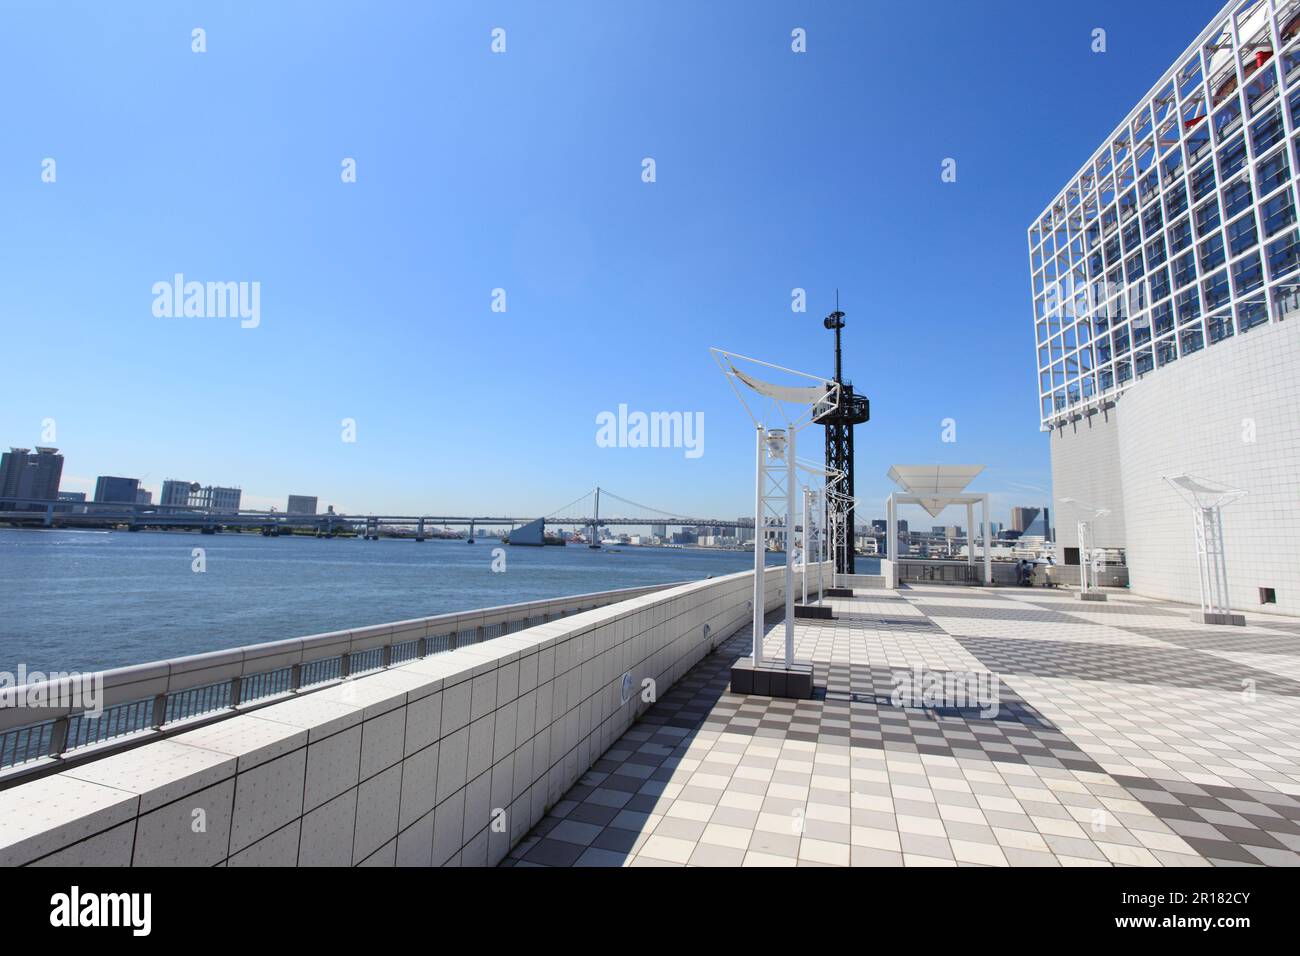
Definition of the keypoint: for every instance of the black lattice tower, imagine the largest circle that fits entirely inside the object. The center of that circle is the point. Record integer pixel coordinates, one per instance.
(853, 409)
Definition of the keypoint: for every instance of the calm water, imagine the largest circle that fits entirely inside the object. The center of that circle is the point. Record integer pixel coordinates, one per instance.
(76, 600)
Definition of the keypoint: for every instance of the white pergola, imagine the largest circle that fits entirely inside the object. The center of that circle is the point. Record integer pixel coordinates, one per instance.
(935, 487)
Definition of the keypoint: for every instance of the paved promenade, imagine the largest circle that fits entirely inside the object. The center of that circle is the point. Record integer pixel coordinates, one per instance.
(1125, 735)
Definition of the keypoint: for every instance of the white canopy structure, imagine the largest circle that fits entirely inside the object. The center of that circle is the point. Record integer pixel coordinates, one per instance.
(1089, 557)
(1207, 499)
(935, 487)
(778, 411)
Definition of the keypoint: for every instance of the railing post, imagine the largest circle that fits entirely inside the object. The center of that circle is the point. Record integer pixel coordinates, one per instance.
(295, 677)
(236, 687)
(422, 647)
(59, 736)
(159, 711)
(386, 656)
(345, 664)
(478, 634)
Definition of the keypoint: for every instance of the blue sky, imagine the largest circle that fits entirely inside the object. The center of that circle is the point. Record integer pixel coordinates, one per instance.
(522, 171)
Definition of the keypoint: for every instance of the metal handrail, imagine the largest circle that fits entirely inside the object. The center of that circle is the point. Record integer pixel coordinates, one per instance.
(148, 697)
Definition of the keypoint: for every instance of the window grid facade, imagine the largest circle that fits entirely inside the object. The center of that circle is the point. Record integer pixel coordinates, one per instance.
(1181, 231)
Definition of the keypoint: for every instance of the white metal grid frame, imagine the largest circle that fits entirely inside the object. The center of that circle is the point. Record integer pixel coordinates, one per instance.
(1181, 231)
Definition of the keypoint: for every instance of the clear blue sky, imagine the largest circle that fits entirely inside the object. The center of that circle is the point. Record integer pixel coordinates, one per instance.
(523, 171)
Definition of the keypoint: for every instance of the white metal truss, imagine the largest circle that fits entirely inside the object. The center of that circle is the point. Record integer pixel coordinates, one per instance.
(787, 409)
(1207, 499)
(1089, 557)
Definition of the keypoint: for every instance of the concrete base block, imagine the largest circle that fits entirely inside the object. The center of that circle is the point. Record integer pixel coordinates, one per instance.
(772, 679)
(839, 592)
(1092, 596)
(1206, 617)
(813, 611)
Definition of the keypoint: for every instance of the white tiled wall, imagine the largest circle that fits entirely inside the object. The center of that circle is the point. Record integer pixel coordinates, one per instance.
(446, 760)
(1197, 417)
(1086, 467)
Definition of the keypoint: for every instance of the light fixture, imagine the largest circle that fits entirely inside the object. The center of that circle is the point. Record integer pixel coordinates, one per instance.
(776, 443)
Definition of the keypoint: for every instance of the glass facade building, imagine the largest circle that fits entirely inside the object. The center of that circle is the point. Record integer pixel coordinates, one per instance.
(1180, 233)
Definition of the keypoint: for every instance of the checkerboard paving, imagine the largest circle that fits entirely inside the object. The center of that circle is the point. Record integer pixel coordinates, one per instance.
(1123, 734)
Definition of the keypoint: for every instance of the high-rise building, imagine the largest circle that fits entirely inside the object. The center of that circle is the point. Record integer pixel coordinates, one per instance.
(190, 494)
(113, 490)
(659, 530)
(143, 496)
(177, 493)
(1022, 518)
(1163, 277)
(216, 498)
(301, 505)
(27, 474)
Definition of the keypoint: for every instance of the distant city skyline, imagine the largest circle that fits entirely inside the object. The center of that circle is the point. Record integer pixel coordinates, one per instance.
(286, 502)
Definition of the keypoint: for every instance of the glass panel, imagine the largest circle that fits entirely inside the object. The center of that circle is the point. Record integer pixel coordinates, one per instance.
(1202, 182)
(1247, 275)
(1180, 236)
(1207, 217)
(1284, 254)
(1198, 144)
(1228, 119)
(1242, 234)
(1273, 172)
(1159, 279)
(1232, 157)
(1211, 253)
(1162, 318)
(1166, 352)
(1251, 314)
(1188, 305)
(1266, 131)
(1216, 291)
(1152, 220)
(1278, 213)
(1220, 326)
(1236, 197)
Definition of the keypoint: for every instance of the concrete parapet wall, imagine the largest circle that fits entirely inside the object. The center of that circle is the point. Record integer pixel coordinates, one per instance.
(446, 760)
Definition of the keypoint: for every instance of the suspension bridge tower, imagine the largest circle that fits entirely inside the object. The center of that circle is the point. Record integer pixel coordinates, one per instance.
(853, 409)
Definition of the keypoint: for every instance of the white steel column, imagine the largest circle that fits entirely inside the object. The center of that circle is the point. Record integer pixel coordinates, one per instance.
(891, 542)
(759, 558)
(970, 534)
(988, 549)
(821, 557)
(1084, 531)
(803, 550)
(791, 482)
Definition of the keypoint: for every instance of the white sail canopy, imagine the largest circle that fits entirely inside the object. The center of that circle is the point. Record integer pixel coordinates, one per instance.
(794, 394)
